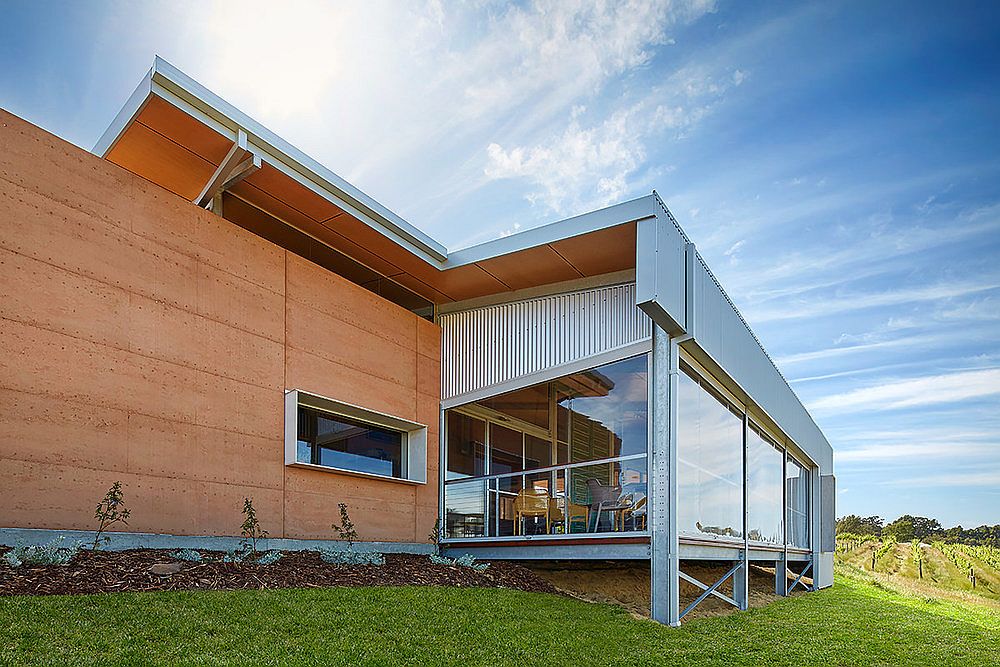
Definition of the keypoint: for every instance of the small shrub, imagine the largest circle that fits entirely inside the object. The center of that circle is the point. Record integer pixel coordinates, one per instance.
(269, 558)
(190, 555)
(53, 553)
(465, 560)
(237, 555)
(345, 531)
(109, 511)
(351, 557)
(250, 528)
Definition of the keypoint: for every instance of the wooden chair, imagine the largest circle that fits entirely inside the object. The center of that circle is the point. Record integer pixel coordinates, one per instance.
(531, 502)
(574, 514)
(637, 513)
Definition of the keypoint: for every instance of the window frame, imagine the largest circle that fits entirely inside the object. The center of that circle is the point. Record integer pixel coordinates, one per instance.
(414, 435)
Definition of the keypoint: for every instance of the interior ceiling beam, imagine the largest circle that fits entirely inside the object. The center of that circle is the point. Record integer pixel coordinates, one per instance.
(239, 163)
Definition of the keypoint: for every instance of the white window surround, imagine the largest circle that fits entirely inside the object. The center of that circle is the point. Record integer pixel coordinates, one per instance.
(415, 441)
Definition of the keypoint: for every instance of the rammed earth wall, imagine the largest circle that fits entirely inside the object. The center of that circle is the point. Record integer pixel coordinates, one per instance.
(146, 340)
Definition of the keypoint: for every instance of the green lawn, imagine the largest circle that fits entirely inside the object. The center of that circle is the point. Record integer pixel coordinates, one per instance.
(854, 623)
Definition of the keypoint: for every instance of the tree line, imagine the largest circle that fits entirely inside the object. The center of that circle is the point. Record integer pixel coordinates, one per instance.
(908, 528)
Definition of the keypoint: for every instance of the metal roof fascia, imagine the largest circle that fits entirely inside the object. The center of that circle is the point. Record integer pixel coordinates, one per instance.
(611, 216)
(135, 103)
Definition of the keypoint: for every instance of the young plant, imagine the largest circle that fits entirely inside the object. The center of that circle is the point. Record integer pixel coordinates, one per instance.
(110, 511)
(434, 537)
(250, 529)
(345, 531)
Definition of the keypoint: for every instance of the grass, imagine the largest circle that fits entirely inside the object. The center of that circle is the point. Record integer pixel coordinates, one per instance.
(854, 623)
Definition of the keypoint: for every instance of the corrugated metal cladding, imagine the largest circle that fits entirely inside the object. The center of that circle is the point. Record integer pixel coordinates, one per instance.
(724, 335)
(494, 344)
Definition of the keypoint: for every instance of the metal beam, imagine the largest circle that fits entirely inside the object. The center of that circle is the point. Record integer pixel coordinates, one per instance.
(799, 578)
(232, 168)
(710, 590)
(664, 547)
(715, 593)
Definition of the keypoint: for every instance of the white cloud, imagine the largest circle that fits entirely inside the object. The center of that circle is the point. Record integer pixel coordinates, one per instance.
(960, 479)
(847, 302)
(899, 451)
(929, 390)
(591, 165)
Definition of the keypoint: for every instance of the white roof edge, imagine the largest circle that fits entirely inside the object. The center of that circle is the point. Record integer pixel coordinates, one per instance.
(639, 208)
(176, 86)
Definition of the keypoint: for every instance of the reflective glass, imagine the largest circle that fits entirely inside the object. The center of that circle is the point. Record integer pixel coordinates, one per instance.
(797, 504)
(340, 442)
(710, 461)
(764, 513)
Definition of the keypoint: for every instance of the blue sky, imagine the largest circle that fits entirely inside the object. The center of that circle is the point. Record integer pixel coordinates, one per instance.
(838, 165)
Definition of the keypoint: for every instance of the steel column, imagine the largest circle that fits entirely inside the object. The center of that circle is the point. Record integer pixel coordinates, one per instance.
(664, 548)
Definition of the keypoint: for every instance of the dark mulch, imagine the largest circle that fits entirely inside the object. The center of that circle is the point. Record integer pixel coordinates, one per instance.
(114, 571)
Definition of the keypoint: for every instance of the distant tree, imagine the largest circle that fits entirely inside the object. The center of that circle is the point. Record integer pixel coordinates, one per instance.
(858, 525)
(901, 529)
(908, 527)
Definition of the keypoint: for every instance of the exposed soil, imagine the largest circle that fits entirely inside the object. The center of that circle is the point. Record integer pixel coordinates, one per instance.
(626, 584)
(114, 571)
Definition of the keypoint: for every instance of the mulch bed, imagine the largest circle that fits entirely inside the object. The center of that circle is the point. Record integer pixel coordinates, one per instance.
(116, 571)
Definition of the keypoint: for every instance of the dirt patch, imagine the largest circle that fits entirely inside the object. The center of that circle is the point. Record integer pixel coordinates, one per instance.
(626, 584)
(113, 571)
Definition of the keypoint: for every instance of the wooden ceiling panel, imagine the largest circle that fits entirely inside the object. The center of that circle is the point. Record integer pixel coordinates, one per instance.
(303, 222)
(465, 282)
(286, 189)
(603, 251)
(184, 129)
(158, 159)
(531, 267)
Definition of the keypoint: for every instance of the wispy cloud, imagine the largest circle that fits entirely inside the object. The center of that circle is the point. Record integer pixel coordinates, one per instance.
(918, 450)
(930, 390)
(847, 302)
(951, 479)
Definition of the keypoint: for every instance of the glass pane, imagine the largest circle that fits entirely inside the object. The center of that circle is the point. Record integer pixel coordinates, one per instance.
(466, 446)
(503, 493)
(464, 503)
(506, 450)
(343, 443)
(763, 489)
(530, 405)
(537, 452)
(710, 461)
(602, 498)
(606, 410)
(797, 503)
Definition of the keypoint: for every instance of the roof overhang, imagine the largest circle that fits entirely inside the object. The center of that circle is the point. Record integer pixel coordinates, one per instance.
(175, 132)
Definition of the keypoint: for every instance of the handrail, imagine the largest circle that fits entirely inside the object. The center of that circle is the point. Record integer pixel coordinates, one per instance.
(535, 471)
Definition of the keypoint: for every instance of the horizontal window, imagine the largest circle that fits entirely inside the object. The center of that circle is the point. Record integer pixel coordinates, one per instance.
(324, 433)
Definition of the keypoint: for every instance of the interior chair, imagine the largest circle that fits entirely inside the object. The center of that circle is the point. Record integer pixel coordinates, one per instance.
(531, 502)
(637, 513)
(607, 498)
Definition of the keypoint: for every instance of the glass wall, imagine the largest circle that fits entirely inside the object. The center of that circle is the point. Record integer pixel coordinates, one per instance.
(797, 504)
(710, 461)
(764, 458)
(570, 457)
(567, 456)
